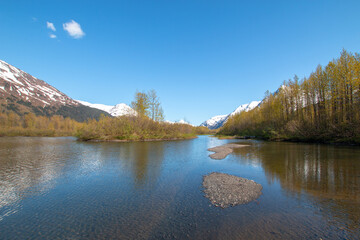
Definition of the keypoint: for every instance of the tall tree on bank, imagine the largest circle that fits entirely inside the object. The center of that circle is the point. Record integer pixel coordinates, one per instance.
(325, 106)
(141, 104)
(156, 111)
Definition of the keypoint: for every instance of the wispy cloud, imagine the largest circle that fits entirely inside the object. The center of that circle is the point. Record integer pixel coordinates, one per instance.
(52, 36)
(73, 29)
(51, 26)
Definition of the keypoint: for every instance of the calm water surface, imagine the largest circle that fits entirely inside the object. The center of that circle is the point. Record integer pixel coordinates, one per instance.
(58, 188)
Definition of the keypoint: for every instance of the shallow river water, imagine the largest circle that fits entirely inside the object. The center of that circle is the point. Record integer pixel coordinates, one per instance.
(58, 188)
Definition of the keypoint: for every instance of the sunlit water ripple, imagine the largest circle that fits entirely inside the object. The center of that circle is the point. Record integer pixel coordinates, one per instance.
(58, 188)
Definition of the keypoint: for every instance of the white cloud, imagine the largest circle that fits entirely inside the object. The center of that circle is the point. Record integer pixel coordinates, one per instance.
(52, 36)
(73, 29)
(51, 26)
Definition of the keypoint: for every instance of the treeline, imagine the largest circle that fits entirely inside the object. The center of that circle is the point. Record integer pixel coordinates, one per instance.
(136, 128)
(12, 124)
(323, 107)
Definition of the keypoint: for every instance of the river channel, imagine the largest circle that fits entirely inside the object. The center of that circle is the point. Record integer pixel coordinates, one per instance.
(59, 188)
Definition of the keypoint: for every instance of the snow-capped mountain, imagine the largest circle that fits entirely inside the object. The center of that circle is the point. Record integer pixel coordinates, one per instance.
(22, 93)
(117, 110)
(17, 83)
(215, 122)
(181, 121)
(218, 121)
(245, 107)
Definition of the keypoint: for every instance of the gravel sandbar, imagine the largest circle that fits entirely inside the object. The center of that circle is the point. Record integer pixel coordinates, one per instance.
(222, 151)
(224, 190)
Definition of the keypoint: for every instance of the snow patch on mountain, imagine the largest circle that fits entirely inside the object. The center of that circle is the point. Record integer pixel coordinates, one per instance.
(181, 121)
(218, 121)
(20, 84)
(245, 107)
(115, 111)
(215, 122)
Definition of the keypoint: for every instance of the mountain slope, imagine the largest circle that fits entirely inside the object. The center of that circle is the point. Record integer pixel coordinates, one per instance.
(22, 93)
(215, 122)
(181, 121)
(218, 121)
(245, 107)
(115, 111)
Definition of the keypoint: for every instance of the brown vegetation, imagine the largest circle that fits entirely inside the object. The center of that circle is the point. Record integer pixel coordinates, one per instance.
(12, 124)
(146, 125)
(323, 107)
(135, 128)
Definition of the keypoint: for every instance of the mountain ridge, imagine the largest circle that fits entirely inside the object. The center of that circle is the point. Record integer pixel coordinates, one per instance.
(119, 109)
(23, 93)
(219, 120)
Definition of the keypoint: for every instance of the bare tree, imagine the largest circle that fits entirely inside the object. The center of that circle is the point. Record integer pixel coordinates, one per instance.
(156, 111)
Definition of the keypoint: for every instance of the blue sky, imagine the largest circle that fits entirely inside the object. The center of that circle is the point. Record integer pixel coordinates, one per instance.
(203, 58)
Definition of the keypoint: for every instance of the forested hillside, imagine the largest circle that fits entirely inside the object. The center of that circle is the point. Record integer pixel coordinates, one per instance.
(324, 106)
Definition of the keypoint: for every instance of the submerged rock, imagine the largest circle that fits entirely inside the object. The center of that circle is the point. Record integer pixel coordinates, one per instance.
(222, 151)
(224, 190)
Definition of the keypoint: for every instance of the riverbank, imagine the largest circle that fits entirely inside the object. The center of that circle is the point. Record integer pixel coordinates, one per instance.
(232, 137)
(342, 142)
(131, 128)
(23, 132)
(140, 140)
(27, 133)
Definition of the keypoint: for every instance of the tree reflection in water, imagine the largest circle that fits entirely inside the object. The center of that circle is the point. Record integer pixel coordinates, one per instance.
(328, 175)
(144, 160)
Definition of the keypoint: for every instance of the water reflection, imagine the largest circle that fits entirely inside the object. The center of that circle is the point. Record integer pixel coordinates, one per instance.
(143, 159)
(328, 175)
(27, 167)
(60, 188)
(32, 166)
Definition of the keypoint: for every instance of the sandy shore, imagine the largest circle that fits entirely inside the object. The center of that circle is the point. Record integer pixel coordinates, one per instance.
(222, 151)
(224, 190)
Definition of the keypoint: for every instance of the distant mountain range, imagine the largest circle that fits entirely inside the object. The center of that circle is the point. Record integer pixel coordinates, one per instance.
(218, 121)
(22, 93)
(181, 121)
(115, 111)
